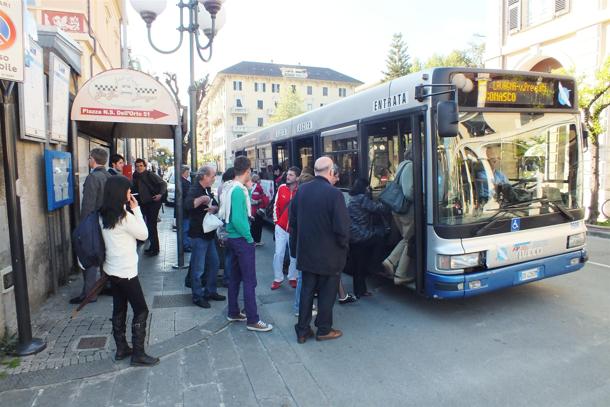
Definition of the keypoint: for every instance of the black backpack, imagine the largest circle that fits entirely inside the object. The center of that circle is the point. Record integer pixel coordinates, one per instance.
(88, 243)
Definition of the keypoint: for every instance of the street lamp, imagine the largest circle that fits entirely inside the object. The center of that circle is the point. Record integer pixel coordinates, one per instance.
(204, 17)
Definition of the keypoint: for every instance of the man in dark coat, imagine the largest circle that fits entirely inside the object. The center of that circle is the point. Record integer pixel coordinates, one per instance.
(319, 235)
(93, 196)
(151, 189)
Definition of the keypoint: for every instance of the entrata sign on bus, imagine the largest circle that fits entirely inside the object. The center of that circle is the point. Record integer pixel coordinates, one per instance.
(518, 91)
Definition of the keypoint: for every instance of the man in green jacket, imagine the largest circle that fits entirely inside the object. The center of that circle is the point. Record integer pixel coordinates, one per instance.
(240, 241)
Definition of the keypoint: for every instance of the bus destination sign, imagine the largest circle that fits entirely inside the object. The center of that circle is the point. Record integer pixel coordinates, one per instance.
(517, 91)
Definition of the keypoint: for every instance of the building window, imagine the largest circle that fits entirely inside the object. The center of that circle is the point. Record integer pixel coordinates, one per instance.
(238, 135)
(342, 92)
(259, 104)
(239, 121)
(310, 90)
(293, 88)
(321, 104)
(324, 91)
(275, 88)
(236, 85)
(238, 103)
(260, 122)
(259, 87)
(264, 87)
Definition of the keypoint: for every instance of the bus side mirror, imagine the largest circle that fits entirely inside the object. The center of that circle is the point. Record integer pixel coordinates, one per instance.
(448, 118)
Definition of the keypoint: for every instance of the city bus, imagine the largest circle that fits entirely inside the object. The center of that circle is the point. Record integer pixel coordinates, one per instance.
(475, 230)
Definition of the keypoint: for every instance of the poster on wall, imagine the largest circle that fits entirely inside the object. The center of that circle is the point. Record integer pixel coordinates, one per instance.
(34, 93)
(59, 181)
(59, 93)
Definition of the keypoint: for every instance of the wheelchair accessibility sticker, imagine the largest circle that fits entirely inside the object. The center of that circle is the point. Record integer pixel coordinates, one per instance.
(515, 224)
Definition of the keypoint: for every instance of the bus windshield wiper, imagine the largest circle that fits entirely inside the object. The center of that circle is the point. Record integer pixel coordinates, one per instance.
(496, 217)
(557, 206)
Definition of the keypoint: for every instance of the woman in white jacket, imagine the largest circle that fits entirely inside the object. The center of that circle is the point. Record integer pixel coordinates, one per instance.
(122, 226)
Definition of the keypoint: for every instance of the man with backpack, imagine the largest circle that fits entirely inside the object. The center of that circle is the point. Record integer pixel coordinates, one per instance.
(93, 194)
(151, 189)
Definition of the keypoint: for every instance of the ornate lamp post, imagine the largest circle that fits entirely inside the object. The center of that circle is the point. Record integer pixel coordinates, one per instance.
(204, 16)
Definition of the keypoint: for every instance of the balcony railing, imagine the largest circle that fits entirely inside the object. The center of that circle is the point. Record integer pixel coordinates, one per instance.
(239, 110)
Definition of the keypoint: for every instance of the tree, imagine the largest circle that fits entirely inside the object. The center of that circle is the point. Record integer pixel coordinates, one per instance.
(201, 87)
(397, 62)
(290, 105)
(593, 99)
(163, 156)
(471, 57)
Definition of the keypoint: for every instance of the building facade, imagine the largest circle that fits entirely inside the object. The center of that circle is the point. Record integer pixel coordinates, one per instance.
(544, 35)
(245, 96)
(86, 37)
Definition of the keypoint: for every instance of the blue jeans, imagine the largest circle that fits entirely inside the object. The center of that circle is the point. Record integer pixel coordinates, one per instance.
(297, 294)
(186, 222)
(204, 258)
(228, 264)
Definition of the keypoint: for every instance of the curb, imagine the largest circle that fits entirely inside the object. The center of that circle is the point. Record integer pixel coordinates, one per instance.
(597, 231)
(64, 374)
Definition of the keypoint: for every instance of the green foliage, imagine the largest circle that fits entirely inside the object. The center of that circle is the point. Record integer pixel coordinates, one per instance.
(290, 105)
(164, 157)
(469, 57)
(397, 62)
(8, 344)
(594, 98)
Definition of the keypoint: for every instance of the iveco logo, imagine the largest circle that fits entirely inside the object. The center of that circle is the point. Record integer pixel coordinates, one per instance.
(524, 252)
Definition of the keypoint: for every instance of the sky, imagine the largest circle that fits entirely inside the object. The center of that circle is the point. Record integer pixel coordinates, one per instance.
(350, 36)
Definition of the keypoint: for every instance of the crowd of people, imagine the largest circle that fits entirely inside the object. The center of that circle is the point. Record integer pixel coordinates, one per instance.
(313, 225)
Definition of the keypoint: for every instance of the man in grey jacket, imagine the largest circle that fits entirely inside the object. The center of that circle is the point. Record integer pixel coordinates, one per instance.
(93, 195)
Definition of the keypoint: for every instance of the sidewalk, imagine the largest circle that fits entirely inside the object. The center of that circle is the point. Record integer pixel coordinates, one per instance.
(88, 338)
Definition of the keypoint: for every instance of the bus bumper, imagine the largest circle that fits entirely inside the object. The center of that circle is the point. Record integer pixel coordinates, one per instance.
(467, 285)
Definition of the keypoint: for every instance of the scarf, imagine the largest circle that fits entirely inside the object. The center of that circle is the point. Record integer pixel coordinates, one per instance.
(224, 212)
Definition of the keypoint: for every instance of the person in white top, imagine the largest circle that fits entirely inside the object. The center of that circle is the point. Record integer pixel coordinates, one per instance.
(122, 226)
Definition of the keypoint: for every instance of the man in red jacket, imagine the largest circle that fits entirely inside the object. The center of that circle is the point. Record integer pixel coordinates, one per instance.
(285, 193)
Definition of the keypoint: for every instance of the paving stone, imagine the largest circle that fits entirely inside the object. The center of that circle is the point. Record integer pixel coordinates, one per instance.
(58, 395)
(94, 392)
(222, 351)
(302, 385)
(265, 379)
(198, 365)
(205, 395)
(236, 389)
(130, 387)
(166, 382)
(18, 398)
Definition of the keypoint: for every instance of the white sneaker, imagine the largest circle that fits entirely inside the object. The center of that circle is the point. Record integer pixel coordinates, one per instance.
(260, 326)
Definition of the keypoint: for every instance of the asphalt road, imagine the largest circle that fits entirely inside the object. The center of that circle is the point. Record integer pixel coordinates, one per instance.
(541, 344)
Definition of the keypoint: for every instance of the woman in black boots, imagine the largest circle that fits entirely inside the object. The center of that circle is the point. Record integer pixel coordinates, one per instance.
(122, 226)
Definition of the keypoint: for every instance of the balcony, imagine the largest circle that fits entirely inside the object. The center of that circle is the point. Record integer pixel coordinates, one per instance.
(239, 110)
(239, 129)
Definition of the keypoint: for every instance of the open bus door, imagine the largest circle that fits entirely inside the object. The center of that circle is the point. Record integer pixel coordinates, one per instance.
(281, 154)
(384, 146)
(304, 152)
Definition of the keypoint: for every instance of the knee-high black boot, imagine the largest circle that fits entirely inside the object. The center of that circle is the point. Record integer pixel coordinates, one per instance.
(138, 336)
(118, 331)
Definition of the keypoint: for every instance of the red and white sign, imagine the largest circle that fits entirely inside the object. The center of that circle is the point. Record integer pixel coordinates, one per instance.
(125, 96)
(69, 22)
(11, 40)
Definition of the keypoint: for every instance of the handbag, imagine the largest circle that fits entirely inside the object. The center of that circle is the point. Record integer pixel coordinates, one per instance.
(393, 197)
(211, 222)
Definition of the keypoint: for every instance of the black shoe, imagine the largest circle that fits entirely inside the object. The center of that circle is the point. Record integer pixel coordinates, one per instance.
(215, 297)
(143, 360)
(138, 336)
(202, 303)
(76, 300)
(348, 298)
(188, 250)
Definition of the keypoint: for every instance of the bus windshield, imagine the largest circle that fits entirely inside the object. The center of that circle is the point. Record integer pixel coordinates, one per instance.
(529, 162)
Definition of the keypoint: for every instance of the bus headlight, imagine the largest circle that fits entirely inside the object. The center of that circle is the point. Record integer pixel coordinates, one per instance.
(458, 261)
(576, 240)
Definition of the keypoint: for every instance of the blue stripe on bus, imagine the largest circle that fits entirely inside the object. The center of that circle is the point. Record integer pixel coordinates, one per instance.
(448, 286)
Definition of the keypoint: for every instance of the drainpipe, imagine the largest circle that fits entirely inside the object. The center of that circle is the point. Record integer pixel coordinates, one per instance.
(93, 38)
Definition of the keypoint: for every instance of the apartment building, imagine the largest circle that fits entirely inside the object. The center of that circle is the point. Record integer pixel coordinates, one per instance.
(543, 35)
(244, 97)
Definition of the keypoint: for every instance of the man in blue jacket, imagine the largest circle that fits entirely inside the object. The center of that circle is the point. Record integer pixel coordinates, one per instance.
(319, 235)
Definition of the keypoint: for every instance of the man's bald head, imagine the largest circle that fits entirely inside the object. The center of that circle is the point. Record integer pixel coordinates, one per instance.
(323, 166)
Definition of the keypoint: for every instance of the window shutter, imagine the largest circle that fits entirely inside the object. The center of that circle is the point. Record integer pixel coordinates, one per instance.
(514, 15)
(561, 6)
